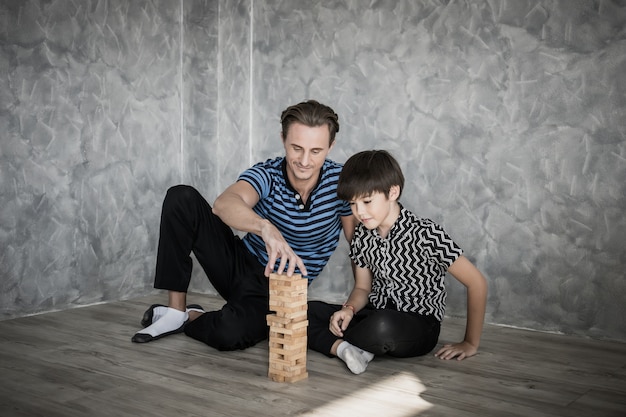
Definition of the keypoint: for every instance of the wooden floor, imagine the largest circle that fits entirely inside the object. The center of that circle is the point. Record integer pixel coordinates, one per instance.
(81, 363)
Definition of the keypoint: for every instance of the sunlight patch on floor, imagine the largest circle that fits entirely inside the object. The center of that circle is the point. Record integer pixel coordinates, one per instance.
(396, 396)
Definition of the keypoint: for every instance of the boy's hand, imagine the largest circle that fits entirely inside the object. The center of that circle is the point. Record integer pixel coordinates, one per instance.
(459, 351)
(339, 321)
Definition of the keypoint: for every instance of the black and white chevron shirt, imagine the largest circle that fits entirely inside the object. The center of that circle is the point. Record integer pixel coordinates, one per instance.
(409, 265)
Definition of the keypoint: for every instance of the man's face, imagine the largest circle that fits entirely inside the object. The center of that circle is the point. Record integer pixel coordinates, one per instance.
(306, 149)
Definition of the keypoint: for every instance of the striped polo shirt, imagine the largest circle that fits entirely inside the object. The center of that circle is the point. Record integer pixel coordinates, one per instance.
(409, 265)
(312, 229)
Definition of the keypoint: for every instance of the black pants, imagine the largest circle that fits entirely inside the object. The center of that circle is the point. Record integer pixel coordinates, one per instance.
(380, 332)
(189, 225)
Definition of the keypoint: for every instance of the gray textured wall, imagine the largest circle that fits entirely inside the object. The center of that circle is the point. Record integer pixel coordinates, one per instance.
(90, 134)
(507, 116)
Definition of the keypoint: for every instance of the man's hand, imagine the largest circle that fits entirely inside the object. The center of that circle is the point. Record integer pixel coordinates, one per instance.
(459, 351)
(278, 248)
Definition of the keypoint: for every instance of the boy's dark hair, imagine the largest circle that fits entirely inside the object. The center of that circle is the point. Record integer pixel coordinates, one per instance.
(310, 113)
(368, 172)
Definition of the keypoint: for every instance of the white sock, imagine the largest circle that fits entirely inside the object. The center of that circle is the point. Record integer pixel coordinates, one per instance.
(159, 311)
(356, 359)
(169, 321)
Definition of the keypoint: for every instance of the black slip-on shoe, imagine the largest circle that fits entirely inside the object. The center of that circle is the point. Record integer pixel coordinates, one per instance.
(195, 307)
(145, 337)
(146, 320)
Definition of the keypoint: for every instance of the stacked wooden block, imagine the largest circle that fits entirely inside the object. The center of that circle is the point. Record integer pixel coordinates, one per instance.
(287, 342)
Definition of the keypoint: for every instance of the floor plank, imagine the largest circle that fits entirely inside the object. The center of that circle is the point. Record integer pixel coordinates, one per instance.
(81, 362)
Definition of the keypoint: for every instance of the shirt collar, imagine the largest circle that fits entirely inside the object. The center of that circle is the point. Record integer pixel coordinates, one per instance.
(303, 206)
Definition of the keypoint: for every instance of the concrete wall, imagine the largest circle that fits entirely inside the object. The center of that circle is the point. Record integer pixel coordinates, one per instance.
(507, 117)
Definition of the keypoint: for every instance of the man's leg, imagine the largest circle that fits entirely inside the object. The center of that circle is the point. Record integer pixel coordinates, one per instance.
(242, 321)
(187, 223)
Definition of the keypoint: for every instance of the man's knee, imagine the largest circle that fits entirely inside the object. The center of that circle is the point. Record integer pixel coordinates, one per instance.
(180, 192)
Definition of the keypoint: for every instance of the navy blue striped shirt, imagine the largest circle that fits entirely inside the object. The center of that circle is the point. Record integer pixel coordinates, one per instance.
(312, 229)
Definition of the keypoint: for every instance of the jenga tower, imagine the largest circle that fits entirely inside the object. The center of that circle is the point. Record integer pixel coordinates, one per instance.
(288, 298)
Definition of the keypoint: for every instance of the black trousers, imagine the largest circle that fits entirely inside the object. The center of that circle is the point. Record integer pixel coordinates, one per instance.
(189, 225)
(380, 332)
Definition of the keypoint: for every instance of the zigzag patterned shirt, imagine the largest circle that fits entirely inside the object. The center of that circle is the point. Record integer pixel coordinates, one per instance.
(408, 266)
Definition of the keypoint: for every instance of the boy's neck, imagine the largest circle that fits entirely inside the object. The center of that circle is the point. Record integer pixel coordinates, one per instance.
(384, 228)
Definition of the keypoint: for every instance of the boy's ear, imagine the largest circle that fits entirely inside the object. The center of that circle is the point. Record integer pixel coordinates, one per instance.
(394, 192)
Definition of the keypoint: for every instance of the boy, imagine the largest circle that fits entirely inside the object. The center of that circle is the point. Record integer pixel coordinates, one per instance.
(398, 299)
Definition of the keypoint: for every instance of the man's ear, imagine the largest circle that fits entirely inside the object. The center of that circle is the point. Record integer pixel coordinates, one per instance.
(394, 192)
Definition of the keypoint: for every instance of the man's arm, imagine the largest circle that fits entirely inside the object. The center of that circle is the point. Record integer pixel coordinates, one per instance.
(234, 207)
(468, 275)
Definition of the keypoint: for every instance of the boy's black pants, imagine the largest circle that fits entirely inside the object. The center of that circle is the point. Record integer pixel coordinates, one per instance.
(384, 331)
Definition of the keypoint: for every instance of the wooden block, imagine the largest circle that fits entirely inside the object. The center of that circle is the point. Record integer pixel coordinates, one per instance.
(297, 378)
(287, 371)
(277, 284)
(285, 277)
(278, 360)
(287, 350)
(287, 332)
(288, 299)
(290, 312)
(290, 325)
(297, 363)
(281, 378)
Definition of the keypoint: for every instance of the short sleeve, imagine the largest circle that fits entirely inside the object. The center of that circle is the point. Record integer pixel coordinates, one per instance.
(440, 246)
(357, 254)
(259, 178)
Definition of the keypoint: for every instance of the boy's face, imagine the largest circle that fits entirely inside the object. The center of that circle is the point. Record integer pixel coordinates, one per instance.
(306, 149)
(376, 210)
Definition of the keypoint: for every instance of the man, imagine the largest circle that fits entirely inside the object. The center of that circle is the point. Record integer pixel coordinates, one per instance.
(289, 209)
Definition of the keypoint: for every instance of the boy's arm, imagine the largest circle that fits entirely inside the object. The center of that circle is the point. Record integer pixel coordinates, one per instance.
(468, 275)
(356, 301)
